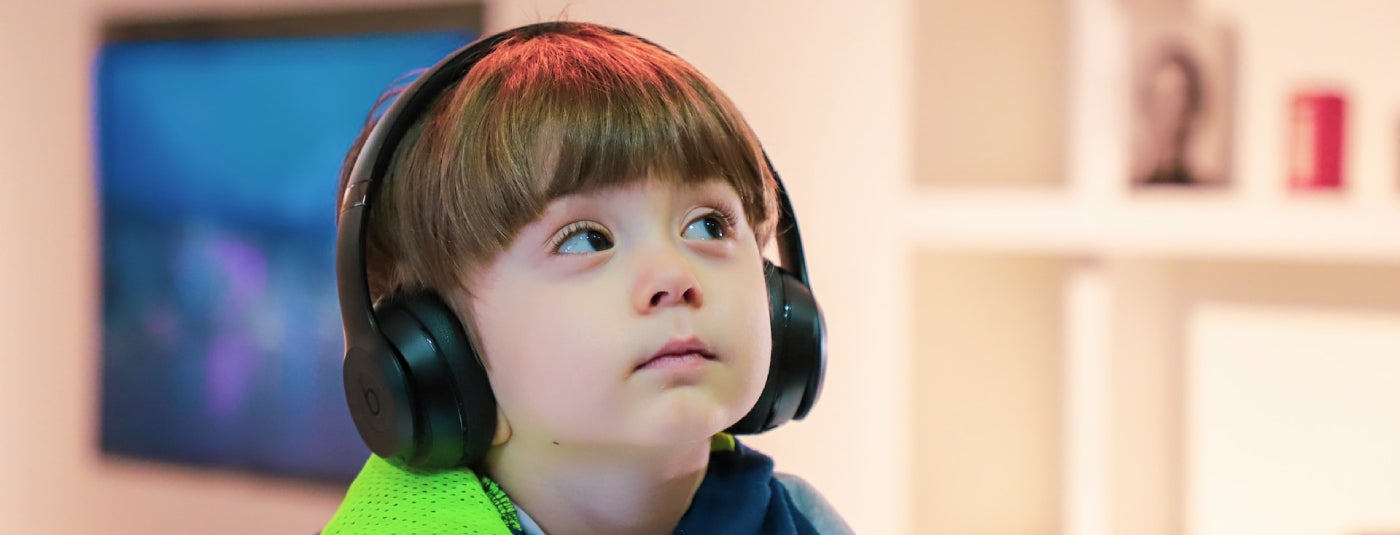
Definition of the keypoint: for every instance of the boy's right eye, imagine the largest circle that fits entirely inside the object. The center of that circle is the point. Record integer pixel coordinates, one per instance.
(582, 238)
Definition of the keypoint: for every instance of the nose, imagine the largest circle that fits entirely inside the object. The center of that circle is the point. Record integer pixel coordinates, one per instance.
(666, 279)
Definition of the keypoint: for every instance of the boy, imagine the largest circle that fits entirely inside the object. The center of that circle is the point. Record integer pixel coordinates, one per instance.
(592, 210)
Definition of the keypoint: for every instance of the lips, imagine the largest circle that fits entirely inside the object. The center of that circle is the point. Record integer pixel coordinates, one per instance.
(678, 350)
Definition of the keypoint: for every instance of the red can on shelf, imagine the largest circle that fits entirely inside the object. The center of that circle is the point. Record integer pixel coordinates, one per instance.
(1318, 122)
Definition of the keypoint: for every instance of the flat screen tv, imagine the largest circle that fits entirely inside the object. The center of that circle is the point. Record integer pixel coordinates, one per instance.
(217, 163)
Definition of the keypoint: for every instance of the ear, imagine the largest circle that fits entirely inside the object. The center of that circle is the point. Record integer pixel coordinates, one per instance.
(503, 430)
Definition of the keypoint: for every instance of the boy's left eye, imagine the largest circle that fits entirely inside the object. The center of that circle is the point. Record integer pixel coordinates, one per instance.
(710, 227)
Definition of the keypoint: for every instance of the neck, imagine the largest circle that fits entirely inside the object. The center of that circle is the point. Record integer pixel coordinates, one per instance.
(572, 491)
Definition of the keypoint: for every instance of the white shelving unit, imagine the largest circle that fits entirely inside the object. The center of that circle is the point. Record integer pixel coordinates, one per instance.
(1127, 273)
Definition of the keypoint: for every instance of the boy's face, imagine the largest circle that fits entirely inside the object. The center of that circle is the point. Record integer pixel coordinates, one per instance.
(572, 314)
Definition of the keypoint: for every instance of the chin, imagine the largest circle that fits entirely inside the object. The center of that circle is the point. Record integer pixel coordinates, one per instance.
(687, 417)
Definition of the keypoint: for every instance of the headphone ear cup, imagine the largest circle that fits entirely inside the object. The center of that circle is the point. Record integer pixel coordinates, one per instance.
(804, 341)
(475, 409)
(379, 393)
(797, 365)
(437, 391)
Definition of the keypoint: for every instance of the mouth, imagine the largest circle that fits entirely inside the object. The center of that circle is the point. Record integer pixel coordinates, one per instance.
(678, 353)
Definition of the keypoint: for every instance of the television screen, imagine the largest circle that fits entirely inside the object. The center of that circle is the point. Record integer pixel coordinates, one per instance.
(217, 168)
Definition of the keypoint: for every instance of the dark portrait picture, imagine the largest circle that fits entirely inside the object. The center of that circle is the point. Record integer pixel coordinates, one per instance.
(1181, 103)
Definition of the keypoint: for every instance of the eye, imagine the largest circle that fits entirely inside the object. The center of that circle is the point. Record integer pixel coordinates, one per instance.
(582, 238)
(714, 225)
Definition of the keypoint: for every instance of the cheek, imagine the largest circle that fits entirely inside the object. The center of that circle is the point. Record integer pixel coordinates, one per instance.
(537, 348)
(756, 330)
(746, 321)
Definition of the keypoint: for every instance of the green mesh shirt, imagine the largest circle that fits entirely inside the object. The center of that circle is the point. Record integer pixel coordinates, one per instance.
(423, 501)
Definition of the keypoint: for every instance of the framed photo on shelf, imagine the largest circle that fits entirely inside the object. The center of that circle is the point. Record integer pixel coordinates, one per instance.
(1181, 100)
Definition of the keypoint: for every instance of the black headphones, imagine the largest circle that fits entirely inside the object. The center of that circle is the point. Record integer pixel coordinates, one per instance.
(416, 389)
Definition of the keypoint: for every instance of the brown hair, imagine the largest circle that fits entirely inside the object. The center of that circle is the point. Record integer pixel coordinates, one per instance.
(573, 109)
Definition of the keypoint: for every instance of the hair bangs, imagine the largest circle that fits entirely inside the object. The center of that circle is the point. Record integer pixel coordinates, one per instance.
(671, 131)
(604, 116)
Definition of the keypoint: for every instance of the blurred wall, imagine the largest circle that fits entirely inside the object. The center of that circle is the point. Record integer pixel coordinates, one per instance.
(823, 83)
(46, 297)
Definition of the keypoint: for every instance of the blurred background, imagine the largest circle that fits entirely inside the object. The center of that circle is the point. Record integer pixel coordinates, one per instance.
(1089, 266)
